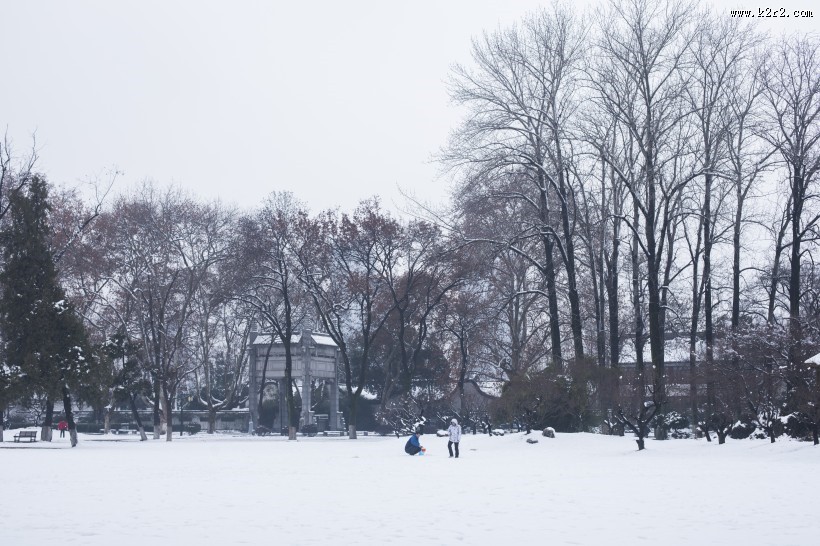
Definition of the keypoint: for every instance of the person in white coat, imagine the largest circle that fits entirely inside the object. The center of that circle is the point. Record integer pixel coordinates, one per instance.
(454, 433)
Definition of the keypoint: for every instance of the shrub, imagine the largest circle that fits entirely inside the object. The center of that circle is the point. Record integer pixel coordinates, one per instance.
(310, 430)
(553, 397)
(384, 430)
(741, 430)
(90, 427)
(675, 421)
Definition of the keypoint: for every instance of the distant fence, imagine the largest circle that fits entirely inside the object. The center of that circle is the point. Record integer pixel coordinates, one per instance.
(89, 421)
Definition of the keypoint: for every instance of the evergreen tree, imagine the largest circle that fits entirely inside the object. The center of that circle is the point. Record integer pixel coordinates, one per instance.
(9, 389)
(42, 334)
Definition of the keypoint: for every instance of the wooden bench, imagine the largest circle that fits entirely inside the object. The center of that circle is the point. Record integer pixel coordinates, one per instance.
(30, 434)
(262, 431)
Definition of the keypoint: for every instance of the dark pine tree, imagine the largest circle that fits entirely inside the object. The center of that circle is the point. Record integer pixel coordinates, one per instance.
(43, 335)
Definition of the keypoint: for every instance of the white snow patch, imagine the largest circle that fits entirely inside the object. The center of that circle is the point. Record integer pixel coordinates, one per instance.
(233, 489)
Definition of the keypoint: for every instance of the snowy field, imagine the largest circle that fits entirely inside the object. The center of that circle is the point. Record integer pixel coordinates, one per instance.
(575, 489)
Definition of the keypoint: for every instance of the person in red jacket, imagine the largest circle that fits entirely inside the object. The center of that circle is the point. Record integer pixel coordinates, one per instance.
(62, 426)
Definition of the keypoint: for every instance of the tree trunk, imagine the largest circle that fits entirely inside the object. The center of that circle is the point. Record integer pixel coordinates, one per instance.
(168, 416)
(211, 418)
(736, 230)
(292, 416)
(549, 276)
(286, 334)
(107, 420)
(462, 373)
(351, 426)
(656, 322)
(137, 420)
(656, 343)
(795, 329)
(552, 297)
(778, 252)
(612, 273)
(157, 418)
(45, 430)
(569, 249)
(636, 306)
(614, 325)
(707, 297)
(736, 260)
(693, 333)
(597, 277)
(69, 416)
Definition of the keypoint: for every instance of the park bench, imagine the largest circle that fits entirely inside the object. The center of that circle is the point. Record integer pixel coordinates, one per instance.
(262, 431)
(30, 434)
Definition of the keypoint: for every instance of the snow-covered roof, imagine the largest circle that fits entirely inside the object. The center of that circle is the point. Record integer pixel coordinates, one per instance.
(265, 339)
(323, 340)
(488, 388)
(814, 360)
(675, 350)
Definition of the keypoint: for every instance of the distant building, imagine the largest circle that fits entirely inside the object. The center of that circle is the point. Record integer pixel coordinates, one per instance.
(314, 356)
(475, 398)
(677, 368)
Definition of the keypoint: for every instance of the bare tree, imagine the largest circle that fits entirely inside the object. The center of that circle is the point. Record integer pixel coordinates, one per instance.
(342, 269)
(14, 174)
(748, 159)
(221, 330)
(271, 244)
(640, 80)
(792, 91)
(522, 95)
(167, 244)
(420, 271)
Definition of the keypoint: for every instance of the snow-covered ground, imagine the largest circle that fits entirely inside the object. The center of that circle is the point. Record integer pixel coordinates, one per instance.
(575, 489)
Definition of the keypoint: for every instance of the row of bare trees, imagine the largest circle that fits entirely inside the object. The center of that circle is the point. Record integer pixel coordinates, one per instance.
(170, 289)
(654, 167)
(629, 182)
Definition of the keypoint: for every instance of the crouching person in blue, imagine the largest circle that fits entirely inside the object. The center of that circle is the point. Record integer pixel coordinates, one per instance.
(413, 446)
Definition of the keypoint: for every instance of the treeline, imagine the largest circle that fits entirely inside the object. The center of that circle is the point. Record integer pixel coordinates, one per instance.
(653, 168)
(629, 182)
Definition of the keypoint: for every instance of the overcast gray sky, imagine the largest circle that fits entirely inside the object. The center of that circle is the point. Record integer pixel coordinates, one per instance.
(333, 100)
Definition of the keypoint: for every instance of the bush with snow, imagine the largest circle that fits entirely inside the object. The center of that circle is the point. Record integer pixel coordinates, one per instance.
(549, 432)
(385, 430)
(741, 430)
(309, 430)
(675, 421)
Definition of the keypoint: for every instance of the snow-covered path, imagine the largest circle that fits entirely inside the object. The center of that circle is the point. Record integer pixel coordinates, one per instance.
(575, 489)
